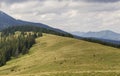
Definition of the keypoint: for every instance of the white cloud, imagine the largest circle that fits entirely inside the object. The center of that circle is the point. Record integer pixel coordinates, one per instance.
(69, 15)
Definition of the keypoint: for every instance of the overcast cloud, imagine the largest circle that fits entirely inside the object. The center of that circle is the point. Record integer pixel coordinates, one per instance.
(69, 15)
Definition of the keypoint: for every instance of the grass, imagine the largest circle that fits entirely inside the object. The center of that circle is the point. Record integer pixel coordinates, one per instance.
(61, 56)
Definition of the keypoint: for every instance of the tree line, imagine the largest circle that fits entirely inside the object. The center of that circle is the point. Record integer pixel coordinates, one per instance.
(29, 28)
(103, 42)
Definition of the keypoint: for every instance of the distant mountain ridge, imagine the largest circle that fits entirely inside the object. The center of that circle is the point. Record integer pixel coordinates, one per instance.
(105, 34)
(6, 21)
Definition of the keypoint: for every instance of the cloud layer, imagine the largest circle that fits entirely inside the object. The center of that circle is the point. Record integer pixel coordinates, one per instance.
(69, 15)
(103, 1)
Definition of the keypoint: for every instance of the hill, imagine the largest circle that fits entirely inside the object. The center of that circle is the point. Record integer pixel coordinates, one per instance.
(61, 56)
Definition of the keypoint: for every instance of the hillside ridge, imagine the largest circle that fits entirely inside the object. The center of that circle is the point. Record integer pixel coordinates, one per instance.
(58, 55)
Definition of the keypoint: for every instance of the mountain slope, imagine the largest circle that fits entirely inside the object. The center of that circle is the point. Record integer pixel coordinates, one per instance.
(60, 56)
(6, 21)
(106, 34)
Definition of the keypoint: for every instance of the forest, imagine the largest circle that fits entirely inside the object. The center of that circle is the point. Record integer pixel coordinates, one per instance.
(13, 45)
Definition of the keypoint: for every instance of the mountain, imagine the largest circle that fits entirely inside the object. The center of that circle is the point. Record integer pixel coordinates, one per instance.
(77, 33)
(6, 21)
(106, 34)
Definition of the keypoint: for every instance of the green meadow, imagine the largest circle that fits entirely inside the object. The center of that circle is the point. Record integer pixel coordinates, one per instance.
(62, 56)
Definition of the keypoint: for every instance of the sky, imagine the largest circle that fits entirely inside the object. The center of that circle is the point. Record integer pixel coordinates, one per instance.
(68, 15)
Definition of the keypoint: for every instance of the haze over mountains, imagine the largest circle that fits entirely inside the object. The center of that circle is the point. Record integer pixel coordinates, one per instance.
(6, 21)
(106, 34)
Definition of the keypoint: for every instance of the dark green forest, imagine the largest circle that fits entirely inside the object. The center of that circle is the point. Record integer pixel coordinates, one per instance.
(15, 44)
(103, 42)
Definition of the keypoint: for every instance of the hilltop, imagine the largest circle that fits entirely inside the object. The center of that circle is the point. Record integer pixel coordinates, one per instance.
(61, 56)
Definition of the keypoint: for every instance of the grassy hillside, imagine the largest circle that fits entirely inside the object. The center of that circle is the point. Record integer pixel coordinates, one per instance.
(60, 56)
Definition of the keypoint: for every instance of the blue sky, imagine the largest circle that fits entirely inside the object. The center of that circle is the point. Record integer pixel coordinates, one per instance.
(69, 15)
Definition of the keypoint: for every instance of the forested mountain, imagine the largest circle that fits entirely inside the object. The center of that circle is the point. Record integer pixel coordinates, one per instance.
(7, 21)
(29, 28)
